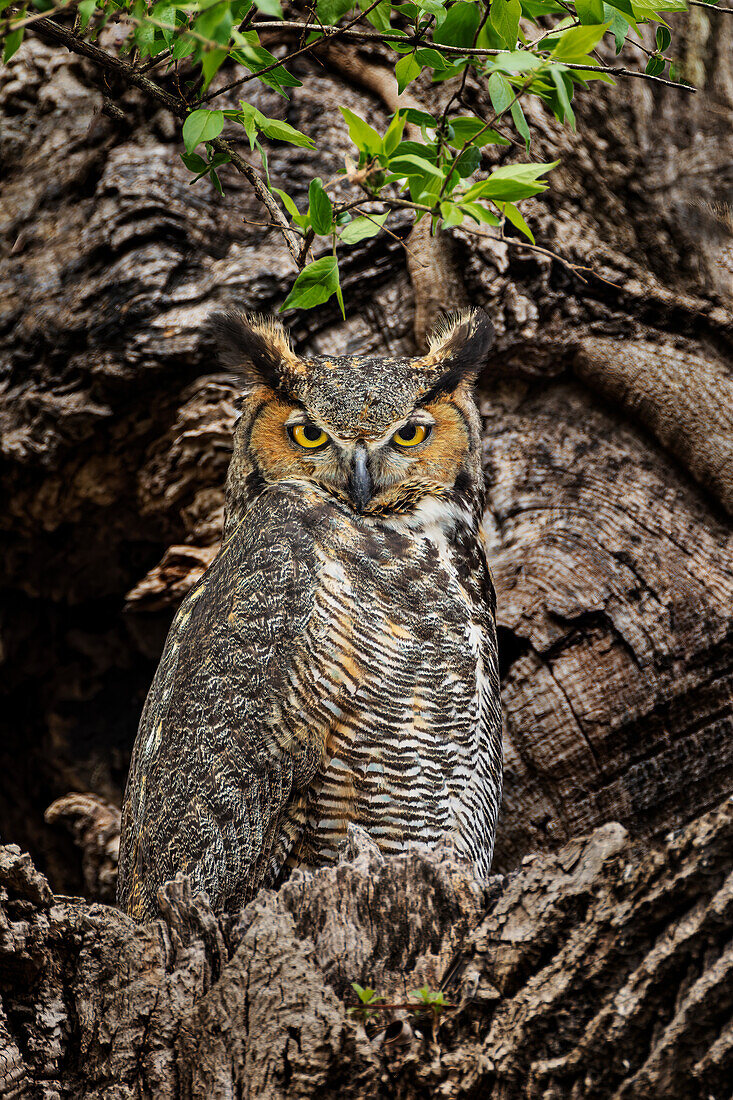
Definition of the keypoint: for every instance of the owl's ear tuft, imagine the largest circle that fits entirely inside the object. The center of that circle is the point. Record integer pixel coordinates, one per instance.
(256, 348)
(459, 345)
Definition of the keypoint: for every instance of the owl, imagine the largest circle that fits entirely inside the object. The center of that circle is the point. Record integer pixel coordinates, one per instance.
(337, 662)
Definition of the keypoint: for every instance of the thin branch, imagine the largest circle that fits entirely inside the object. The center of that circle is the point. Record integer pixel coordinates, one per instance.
(15, 24)
(451, 51)
(487, 126)
(303, 254)
(47, 28)
(551, 31)
(710, 7)
(511, 242)
(328, 32)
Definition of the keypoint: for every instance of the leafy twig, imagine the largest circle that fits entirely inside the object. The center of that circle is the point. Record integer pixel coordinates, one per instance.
(327, 32)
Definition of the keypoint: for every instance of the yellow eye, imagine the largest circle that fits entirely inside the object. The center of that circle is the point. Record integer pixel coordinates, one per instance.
(308, 436)
(410, 435)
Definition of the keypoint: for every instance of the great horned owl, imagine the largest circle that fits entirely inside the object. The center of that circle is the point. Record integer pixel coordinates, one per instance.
(337, 662)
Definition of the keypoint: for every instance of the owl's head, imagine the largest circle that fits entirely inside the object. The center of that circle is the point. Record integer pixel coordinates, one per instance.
(383, 435)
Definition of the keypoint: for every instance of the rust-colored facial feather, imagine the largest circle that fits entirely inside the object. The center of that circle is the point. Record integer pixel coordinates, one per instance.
(445, 452)
(276, 456)
(361, 404)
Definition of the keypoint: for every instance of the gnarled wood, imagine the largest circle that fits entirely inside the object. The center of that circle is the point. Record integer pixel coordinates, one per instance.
(602, 970)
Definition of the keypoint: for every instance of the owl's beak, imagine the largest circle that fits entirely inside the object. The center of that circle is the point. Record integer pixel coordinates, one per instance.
(360, 482)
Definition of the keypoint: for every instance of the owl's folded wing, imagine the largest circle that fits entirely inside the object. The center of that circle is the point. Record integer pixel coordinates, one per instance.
(232, 726)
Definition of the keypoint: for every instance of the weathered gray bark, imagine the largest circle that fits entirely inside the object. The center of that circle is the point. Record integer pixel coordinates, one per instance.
(607, 410)
(602, 970)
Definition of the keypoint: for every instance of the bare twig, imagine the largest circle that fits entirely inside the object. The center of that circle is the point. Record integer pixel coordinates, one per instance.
(15, 24)
(308, 241)
(710, 7)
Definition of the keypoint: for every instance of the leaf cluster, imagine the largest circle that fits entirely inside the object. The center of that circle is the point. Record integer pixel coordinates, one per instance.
(439, 165)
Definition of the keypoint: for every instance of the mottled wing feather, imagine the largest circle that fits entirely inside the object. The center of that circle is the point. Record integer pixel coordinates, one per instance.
(232, 725)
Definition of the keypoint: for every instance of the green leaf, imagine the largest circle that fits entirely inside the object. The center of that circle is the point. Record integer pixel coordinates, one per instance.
(320, 208)
(452, 214)
(316, 283)
(521, 123)
(501, 92)
(362, 228)
(511, 183)
(270, 7)
(473, 130)
(216, 181)
(287, 202)
(664, 38)
(563, 95)
(366, 996)
(576, 43)
(655, 65)
(330, 11)
(194, 163)
(202, 125)
(14, 39)
(144, 35)
(618, 26)
(379, 16)
(411, 165)
(215, 23)
(182, 47)
(278, 130)
(430, 152)
(480, 213)
(467, 163)
(164, 13)
(255, 57)
(523, 172)
(431, 59)
(621, 8)
(301, 220)
(248, 118)
(406, 69)
(433, 7)
(504, 17)
(211, 62)
(648, 9)
(589, 11)
(86, 11)
(459, 26)
(364, 136)
(419, 118)
(518, 61)
(517, 220)
(393, 136)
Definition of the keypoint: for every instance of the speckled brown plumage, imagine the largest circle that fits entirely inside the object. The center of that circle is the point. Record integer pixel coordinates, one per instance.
(337, 661)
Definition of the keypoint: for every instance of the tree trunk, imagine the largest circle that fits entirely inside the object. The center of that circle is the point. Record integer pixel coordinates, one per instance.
(607, 405)
(602, 970)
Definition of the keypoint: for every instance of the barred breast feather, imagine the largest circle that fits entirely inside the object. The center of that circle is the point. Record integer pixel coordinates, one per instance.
(328, 668)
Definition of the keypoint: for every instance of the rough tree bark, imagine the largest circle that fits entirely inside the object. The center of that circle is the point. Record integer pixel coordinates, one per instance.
(609, 458)
(602, 970)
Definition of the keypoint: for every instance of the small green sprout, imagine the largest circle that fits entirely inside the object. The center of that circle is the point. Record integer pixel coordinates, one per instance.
(367, 996)
(431, 1000)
